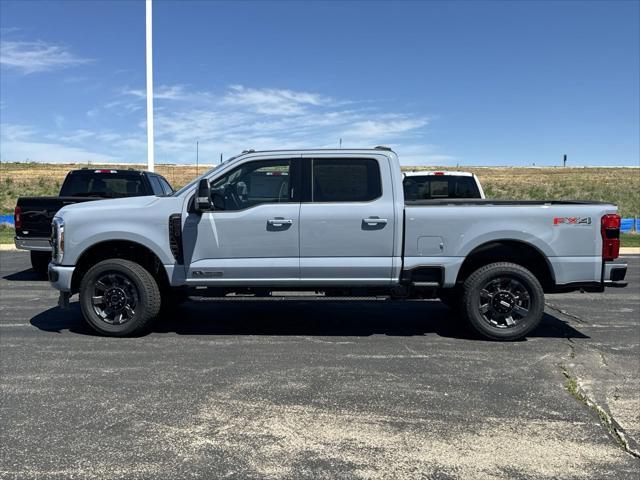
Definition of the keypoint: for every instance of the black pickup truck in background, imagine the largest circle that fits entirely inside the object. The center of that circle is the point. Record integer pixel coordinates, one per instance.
(33, 215)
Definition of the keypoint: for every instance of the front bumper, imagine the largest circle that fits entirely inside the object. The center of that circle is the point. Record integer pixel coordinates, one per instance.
(40, 244)
(60, 277)
(613, 274)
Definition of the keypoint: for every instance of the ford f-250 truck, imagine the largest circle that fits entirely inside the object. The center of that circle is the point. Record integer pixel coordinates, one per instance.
(331, 221)
(32, 215)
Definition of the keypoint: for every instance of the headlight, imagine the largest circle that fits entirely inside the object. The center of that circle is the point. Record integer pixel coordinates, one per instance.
(58, 240)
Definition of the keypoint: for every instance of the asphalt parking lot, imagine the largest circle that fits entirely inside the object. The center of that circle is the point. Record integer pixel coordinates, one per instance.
(318, 389)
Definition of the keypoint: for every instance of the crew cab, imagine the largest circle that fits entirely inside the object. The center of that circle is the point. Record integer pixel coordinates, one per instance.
(33, 215)
(332, 222)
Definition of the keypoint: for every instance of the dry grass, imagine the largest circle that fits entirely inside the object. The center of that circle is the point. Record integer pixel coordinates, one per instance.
(616, 185)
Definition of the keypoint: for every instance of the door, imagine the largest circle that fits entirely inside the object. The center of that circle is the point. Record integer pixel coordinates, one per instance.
(347, 221)
(252, 235)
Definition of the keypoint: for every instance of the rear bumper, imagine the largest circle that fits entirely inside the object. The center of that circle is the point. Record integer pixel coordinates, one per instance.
(60, 277)
(613, 274)
(40, 244)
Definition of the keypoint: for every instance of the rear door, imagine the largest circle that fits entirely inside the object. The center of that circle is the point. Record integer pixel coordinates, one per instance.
(347, 221)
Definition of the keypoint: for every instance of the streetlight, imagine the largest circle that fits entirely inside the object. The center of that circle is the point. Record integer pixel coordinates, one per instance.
(149, 45)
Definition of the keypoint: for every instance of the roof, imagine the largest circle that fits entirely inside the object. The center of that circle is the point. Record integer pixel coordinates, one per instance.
(422, 173)
(306, 151)
(88, 171)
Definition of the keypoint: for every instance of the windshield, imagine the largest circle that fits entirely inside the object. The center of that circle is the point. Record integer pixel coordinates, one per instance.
(207, 173)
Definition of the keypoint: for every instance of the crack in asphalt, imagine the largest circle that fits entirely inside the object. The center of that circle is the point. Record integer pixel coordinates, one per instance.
(616, 431)
(557, 309)
(607, 420)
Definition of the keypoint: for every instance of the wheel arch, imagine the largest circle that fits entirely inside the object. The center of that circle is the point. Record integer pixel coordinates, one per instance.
(126, 249)
(513, 251)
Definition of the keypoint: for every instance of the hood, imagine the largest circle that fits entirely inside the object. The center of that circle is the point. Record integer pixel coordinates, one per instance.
(122, 204)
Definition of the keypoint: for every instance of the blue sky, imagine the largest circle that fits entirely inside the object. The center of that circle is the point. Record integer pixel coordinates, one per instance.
(444, 83)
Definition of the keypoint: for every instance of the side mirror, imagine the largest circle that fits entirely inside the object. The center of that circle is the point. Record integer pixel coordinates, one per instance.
(203, 197)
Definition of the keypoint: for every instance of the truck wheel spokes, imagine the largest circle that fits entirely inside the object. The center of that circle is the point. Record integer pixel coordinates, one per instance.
(504, 302)
(114, 298)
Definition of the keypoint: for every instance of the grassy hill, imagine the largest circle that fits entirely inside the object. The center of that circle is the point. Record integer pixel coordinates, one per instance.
(617, 185)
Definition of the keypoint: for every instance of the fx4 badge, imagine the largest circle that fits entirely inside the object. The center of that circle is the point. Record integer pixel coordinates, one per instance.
(572, 221)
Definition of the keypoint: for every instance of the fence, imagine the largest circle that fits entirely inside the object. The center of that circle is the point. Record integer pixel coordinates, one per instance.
(628, 225)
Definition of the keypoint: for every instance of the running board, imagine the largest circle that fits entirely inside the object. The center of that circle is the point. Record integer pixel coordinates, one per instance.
(426, 284)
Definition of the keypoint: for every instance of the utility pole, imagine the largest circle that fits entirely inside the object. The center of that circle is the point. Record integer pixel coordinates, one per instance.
(564, 160)
(340, 142)
(149, 45)
(197, 157)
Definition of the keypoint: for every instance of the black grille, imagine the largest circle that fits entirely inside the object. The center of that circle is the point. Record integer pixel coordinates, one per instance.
(175, 237)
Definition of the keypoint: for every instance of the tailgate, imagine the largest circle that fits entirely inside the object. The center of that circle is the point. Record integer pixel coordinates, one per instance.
(38, 212)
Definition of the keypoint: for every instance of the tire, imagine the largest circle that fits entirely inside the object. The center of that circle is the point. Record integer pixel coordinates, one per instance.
(119, 298)
(502, 301)
(40, 262)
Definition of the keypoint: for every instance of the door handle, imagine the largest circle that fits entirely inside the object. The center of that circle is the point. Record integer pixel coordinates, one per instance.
(375, 221)
(278, 222)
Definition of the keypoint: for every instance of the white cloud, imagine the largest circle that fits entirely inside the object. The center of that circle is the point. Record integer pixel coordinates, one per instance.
(269, 101)
(20, 143)
(237, 119)
(384, 128)
(162, 92)
(38, 56)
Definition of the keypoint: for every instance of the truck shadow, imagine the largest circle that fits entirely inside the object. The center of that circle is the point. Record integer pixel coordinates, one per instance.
(28, 275)
(298, 317)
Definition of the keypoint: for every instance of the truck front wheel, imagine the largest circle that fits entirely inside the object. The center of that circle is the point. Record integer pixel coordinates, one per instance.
(119, 297)
(503, 301)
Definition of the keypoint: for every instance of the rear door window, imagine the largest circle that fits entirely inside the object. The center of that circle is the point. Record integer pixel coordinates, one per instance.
(345, 180)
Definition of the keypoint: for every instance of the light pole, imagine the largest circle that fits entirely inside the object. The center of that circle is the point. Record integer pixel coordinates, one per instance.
(149, 44)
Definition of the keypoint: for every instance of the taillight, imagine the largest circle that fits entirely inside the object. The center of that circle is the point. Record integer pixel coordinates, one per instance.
(17, 218)
(610, 231)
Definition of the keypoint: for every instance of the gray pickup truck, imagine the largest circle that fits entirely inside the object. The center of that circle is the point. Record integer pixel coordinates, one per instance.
(335, 223)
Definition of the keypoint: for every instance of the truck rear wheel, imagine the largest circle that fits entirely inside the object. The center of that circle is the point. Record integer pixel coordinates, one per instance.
(40, 262)
(503, 301)
(119, 298)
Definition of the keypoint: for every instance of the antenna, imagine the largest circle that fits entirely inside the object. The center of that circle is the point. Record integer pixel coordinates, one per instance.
(340, 142)
(220, 157)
